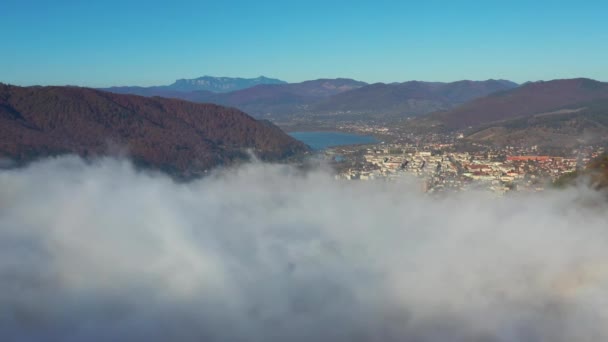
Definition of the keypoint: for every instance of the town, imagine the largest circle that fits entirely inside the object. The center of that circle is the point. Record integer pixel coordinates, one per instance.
(445, 163)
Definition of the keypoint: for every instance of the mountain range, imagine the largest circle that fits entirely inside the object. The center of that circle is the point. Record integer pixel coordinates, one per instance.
(338, 98)
(411, 98)
(195, 130)
(206, 83)
(550, 113)
(180, 137)
(262, 100)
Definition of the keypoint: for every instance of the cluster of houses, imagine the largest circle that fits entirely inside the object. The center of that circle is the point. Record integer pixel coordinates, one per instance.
(442, 170)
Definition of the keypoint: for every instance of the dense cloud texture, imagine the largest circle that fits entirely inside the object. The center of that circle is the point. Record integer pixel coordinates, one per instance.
(101, 252)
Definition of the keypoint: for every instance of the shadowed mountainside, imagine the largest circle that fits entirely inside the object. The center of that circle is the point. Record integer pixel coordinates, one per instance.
(173, 135)
(569, 126)
(410, 98)
(557, 113)
(524, 101)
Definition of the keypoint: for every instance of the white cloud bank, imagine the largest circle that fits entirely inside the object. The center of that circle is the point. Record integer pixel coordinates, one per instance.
(100, 252)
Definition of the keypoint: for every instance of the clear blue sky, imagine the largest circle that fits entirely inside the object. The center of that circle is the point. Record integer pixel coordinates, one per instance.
(102, 43)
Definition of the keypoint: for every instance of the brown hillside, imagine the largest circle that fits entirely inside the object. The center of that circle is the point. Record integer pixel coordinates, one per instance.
(170, 134)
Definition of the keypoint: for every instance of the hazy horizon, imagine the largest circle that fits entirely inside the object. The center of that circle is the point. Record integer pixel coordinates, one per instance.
(312, 79)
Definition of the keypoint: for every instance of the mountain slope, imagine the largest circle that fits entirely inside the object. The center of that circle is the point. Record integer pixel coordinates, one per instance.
(410, 98)
(597, 169)
(285, 98)
(174, 135)
(595, 174)
(523, 101)
(569, 126)
(161, 91)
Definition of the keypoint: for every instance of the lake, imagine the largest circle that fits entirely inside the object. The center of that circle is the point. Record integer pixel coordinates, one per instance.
(323, 140)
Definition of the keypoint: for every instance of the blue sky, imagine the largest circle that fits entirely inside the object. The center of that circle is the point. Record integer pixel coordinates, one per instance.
(103, 43)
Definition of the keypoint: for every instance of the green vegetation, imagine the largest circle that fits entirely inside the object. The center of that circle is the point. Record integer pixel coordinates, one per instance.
(596, 171)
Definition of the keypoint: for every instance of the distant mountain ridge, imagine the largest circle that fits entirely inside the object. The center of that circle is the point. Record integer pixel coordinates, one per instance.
(174, 135)
(259, 100)
(339, 98)
(410, 98)
(221, 84)
(204, 83)
(281, 99)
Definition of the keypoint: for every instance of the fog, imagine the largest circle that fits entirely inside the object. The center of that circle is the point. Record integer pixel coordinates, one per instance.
(97, 251)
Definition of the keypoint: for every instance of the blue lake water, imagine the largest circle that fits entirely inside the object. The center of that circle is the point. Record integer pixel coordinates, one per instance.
(323, 140)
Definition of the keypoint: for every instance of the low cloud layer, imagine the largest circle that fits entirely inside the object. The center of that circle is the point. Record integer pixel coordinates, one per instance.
(100, 252)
